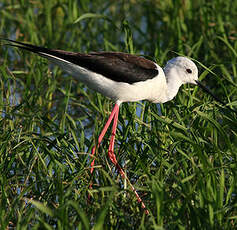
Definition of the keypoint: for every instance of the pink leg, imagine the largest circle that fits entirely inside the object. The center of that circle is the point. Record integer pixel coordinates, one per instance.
(115, 109)
(112, 157)
(111, 154)
(139, 199)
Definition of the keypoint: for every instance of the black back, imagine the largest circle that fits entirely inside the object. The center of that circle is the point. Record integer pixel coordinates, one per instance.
(118, 66)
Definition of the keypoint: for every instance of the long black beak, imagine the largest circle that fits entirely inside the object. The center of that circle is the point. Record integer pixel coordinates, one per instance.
(205, 89)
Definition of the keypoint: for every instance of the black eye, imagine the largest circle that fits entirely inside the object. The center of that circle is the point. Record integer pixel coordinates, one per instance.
(189, 71)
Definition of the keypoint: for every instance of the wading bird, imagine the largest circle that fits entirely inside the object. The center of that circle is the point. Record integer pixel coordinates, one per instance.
(123, 78)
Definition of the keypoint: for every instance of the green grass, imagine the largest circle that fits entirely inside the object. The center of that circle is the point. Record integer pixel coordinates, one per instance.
(181, 159)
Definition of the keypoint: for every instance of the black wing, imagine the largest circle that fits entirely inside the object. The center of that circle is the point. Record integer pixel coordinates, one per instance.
(118, 66)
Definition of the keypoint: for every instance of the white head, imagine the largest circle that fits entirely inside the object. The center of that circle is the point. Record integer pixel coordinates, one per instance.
(178, 71)
(181, 69)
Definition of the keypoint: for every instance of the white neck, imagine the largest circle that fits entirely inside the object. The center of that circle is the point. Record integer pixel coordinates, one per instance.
(173, 82)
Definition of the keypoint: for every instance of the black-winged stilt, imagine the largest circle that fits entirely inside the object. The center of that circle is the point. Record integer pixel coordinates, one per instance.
(124, 78)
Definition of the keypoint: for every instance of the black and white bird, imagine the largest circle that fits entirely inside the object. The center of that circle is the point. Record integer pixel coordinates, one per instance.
(122, 77)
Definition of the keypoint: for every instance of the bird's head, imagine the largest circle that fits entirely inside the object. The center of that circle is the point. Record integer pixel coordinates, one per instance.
(182, 69)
